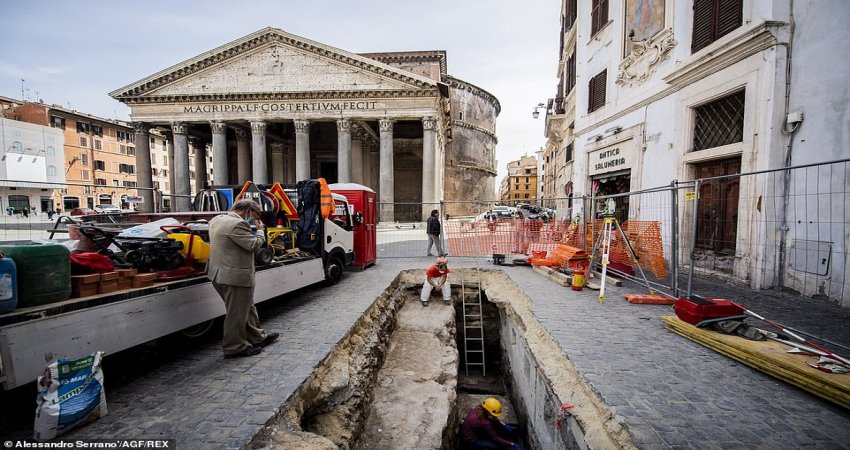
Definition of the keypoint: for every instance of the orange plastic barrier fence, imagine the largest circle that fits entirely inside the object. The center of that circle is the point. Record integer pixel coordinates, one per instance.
(518, 236)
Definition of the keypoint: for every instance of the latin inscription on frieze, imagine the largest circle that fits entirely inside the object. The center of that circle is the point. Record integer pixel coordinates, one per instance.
(275, 107)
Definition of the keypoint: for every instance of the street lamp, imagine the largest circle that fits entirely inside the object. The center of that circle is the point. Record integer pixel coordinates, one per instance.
(536, 113)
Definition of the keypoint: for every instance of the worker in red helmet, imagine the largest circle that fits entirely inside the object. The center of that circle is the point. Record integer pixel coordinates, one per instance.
(481, 428)
(437, 277)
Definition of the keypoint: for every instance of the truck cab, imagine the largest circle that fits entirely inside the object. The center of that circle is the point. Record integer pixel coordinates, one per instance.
(338, 242)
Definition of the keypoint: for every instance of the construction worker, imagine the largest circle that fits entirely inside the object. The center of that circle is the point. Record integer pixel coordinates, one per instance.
(481, 428)
(436, 277)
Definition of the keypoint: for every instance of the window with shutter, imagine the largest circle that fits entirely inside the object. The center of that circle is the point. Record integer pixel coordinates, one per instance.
(714, 19)
(596, 91)
(571, 72)
(598, 15)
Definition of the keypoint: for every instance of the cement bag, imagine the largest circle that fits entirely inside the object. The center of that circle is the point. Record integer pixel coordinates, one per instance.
(149, 230)
(70, 394)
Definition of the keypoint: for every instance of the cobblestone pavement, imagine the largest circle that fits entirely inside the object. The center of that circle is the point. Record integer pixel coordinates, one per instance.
(670, 392)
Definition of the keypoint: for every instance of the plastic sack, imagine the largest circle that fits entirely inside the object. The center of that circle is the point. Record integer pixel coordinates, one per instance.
(149, 230)
(70, 394)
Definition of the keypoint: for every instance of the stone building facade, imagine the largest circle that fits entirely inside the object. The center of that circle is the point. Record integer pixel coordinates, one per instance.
(660, 90)
(520, 184)
(277, 107)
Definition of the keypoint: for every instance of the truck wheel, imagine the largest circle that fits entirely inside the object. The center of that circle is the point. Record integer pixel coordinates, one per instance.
(333, 271)
(265, 256)
(198, 330)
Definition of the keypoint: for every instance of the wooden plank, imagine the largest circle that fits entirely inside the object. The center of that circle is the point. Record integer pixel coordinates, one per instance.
(770, 357)
(557, 277)
(609, 280)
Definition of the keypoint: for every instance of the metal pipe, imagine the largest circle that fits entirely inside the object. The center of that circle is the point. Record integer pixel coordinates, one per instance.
(693, 238)
(674, 239)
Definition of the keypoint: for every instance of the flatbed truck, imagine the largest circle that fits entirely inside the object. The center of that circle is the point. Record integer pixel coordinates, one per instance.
(31, 337)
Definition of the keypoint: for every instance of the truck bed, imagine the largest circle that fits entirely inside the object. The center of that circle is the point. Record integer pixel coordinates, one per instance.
(113, 322)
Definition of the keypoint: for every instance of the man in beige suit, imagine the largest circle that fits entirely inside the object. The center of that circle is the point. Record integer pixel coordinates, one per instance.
(233, 243)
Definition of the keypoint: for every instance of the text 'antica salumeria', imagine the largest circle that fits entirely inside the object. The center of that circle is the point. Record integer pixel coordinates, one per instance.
(273, 107)
(610, 163)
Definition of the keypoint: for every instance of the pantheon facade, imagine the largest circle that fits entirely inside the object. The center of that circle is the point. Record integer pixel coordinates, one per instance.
(272, 106)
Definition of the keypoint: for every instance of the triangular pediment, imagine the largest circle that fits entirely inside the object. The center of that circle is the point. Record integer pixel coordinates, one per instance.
(272, 61)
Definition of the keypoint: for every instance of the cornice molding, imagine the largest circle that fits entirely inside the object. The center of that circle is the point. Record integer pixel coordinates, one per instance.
(258, 39)
(475, 90)
(469, 126)
(415, 56)
(473, 166)
(280, 96)
(714, 58)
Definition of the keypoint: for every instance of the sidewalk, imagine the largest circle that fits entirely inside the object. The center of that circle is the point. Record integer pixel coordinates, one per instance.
(669, 391)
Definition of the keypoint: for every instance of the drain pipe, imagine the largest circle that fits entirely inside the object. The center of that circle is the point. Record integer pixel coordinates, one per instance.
(786, 182)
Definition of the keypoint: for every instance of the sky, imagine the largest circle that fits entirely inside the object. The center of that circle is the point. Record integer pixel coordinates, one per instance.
(74, 53)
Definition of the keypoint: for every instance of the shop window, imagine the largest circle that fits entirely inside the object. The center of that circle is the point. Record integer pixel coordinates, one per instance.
(714, 19)
(719, 122)
(598, 15)
(596, 91)
(19, 202)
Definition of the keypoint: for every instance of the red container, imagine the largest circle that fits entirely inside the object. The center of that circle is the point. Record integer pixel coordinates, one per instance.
(362, 200)
(695, 310)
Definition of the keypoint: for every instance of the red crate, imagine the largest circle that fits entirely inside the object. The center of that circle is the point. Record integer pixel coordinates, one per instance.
(695, 310)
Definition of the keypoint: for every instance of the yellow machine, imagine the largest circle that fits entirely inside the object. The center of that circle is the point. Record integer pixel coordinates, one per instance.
(280, 239)
(200, 248)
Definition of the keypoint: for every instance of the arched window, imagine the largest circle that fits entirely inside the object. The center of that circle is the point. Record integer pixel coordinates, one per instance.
(17, 146)
(51, 151)
(51, 171)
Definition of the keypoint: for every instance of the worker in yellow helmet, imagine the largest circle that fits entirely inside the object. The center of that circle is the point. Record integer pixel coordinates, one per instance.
(481, 428)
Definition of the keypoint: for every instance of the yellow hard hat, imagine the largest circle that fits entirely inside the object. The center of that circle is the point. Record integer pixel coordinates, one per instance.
(492, 406)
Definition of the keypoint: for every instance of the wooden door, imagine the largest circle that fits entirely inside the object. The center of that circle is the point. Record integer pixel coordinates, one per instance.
(717, 219)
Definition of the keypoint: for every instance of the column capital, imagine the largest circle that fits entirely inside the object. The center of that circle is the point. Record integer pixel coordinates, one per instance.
(241, 135)
(276, 147)
(343, 125)
(218, 127)
(385, 125)
(429, 123)
(141, 127)
(179, 128)
(357, 132)
(302, 125)
(258, 126)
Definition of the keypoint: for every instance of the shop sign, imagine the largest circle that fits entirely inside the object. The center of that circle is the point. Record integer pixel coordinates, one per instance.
(611, 159)
(134, 199)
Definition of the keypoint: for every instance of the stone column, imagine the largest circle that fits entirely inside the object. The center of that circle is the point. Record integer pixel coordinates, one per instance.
(219, 151)
(277, 162)
(374, 162)
(182, 186)
(289, 164)
(429, 166)
(343, 165)
(357, 155)
(169, 151)
(200, 164)
(387, 171)
(259, 162)
(243, 157)
(144, 174)
(302, 150)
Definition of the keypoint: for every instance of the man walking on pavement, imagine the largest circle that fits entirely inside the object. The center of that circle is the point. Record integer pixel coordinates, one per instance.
(436, 277)
(433, 231)
(233, 242)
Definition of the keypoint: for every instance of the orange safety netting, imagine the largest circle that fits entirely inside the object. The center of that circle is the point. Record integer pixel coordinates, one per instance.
(518, 236)
(645, 238)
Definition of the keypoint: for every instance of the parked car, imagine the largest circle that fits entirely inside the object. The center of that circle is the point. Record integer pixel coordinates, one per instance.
(107, 209)
(82, 212)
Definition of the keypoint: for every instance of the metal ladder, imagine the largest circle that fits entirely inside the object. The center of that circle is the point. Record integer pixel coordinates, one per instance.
(473, 324)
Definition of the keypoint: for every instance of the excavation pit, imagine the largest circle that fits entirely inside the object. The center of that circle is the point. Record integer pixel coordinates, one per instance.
(399, 379)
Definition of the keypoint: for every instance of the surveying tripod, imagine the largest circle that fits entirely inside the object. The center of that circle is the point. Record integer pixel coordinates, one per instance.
(603, 243)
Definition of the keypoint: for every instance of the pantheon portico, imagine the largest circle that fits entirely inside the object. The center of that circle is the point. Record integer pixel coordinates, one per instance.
(278, 107)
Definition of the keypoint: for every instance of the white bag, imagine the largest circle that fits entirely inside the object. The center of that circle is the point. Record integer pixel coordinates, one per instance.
(149, 230)
(70, 394)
